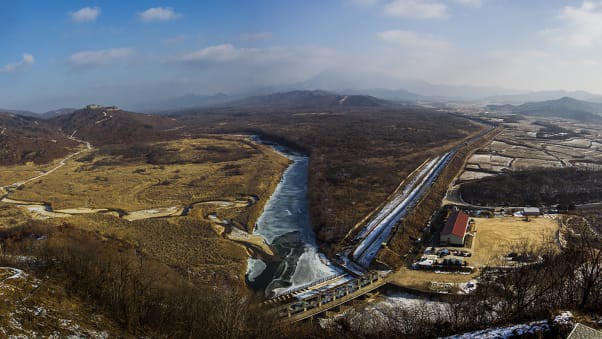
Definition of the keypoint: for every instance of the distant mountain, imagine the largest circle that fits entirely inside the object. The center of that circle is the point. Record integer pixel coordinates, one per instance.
(389, 94)
(45, 115)
(518, 99)
(327, 81)
(185, 101)
(19, 112)
(29, 139)
(110, 125)
(447, 92)
(565, 107)
(309, 100)
(391, 88)
(380, 86)
(57, 112)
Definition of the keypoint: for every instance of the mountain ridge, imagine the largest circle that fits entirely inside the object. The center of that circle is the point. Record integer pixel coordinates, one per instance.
(565, 107)
(315, 99)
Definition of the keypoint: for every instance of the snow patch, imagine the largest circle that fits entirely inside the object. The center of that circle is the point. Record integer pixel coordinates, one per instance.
(254, 268)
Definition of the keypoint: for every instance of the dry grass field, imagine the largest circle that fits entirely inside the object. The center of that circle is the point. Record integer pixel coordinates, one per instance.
(189, 244)
(225, 176)
(179, 173)
(497, 237)
(17, 173)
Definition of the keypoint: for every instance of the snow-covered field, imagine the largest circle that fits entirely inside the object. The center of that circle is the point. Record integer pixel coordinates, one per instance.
(472, 175)
(490, 159)
(531, 328)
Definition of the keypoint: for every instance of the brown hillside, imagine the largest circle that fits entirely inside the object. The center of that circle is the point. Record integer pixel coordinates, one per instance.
(28, 139)
(109, 125)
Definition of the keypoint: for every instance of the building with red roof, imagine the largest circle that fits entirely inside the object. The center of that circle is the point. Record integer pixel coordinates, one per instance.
(454, 231)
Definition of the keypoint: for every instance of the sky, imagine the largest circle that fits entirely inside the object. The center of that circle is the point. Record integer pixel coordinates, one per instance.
(70, 53)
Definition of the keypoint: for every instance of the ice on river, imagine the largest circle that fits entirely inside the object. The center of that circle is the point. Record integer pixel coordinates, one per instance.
(290, 195)
(285, 225)
(311, 266)
(254, 268)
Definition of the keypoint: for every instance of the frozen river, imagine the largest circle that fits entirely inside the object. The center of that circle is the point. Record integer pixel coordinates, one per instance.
(285, 225)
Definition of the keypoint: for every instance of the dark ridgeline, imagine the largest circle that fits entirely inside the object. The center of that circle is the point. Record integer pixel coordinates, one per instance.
(565, 107)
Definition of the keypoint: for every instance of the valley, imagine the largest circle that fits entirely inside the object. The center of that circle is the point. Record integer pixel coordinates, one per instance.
(274, 200)
(286, 169)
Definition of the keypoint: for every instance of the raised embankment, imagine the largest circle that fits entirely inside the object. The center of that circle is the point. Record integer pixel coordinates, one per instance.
(411, 227)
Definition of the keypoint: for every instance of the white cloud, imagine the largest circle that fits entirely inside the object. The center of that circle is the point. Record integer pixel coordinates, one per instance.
(365, 3)
(229, 54)
(416, 9)
(99, 57)
(469, 3)
(218, 53)
(581, 26)
(248, 37)
(27, 60)
(413, 40)
(259, 66)
(158, 14)
(86, 14)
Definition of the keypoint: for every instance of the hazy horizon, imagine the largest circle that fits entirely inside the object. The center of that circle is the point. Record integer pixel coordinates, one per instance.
(70, 53)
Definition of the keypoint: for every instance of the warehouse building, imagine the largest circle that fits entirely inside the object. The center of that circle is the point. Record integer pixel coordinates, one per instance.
(454, 231)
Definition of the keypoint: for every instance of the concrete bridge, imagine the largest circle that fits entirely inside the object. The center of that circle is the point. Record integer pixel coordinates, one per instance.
(333, 294)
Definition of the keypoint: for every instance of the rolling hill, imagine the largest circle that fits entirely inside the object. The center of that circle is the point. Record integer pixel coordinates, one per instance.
(19, 112)
(28, 139)
(57, 112)
(565, 107)
(111, 125)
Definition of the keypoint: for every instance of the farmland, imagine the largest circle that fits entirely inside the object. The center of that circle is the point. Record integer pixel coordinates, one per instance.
(536, 143)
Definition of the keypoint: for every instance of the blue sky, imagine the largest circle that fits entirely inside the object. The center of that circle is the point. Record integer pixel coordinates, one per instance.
(69, 53)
